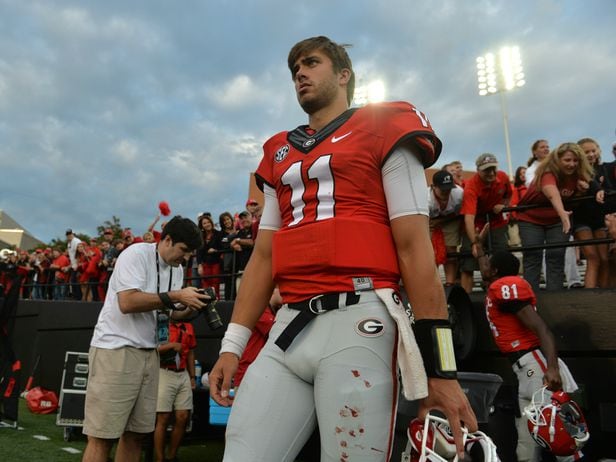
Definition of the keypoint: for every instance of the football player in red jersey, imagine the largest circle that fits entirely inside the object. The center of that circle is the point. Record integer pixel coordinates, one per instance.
(522, 335)
(345, 218)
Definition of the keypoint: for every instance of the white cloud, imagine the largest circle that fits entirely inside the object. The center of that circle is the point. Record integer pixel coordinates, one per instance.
(238, 92)
(126, 151)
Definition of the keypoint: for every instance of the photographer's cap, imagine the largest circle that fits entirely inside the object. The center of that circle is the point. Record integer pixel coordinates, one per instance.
(69, 231)
(486, 160)
(443, 180)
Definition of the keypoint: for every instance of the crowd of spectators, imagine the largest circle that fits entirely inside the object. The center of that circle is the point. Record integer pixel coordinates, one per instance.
(78, 270)
(554, 209)
(553, 204)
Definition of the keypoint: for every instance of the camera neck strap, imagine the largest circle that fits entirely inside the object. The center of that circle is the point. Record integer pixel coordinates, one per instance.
(158, 273)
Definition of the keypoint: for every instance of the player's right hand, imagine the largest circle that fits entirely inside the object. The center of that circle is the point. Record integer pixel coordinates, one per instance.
(220, 378)
(447, 396)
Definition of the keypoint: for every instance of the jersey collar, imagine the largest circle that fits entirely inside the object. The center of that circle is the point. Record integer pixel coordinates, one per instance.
(304, 139)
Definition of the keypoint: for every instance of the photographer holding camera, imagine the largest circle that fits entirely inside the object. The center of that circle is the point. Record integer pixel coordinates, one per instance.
(145, 290)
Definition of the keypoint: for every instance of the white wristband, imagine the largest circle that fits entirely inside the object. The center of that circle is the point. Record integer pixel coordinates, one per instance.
(235, 339)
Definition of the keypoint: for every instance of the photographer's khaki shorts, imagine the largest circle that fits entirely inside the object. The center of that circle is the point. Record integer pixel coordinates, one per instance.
(122, 391)
(174, 391)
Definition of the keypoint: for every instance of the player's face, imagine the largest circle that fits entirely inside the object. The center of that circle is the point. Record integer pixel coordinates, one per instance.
(592, 152)
(316, 83)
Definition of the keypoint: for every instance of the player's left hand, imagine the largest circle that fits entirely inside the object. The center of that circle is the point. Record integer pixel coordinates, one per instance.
(447, 396)
(552, 379)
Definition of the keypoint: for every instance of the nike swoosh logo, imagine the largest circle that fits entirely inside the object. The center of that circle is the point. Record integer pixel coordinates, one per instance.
(336, 139)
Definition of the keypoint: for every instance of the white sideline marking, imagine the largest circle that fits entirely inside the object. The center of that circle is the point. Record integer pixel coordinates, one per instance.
(41, 437)
(71, 450)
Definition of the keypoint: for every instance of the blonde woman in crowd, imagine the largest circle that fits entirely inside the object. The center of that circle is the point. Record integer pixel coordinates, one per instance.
(564, 173)
(588, 222)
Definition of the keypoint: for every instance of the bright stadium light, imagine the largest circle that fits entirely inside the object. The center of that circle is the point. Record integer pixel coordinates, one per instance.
(498, 74)
(373, 92)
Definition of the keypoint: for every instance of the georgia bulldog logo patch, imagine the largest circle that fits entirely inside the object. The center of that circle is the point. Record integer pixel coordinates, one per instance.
(371, 327)
(281, 153)
(309, 142)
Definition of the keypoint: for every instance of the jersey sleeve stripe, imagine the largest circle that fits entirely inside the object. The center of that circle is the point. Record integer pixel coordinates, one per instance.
(427, 143)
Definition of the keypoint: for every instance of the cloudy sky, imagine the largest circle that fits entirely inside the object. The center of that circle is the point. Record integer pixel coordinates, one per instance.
(108, 107)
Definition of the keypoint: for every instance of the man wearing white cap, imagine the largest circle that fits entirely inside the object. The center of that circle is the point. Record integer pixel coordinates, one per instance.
(485, 195)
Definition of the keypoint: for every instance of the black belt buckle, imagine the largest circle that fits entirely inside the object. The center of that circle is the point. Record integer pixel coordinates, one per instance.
(308, 310)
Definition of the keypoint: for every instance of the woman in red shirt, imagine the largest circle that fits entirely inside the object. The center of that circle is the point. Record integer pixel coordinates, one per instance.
(565, 172)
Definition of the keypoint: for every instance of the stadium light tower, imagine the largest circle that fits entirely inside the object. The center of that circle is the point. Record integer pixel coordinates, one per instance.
(498, 74)
(373, 92)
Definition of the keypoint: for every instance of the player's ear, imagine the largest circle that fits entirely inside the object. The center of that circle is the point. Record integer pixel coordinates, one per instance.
(344, 76)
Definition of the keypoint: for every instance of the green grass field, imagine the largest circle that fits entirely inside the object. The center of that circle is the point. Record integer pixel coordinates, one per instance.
(38, 438)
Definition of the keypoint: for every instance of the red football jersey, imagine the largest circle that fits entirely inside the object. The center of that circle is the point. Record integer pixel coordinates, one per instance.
(335, 234)
(480, 198)
(509, 333)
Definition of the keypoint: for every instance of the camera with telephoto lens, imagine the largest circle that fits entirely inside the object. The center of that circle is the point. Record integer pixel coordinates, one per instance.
(211, 314)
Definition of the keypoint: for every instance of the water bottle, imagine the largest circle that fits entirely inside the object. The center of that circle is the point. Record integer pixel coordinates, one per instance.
(198, 373)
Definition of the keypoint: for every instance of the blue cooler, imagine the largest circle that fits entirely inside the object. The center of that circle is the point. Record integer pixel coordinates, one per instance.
(219, 415)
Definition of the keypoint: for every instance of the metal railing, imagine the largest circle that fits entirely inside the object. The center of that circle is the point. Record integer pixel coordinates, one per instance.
(66, 289)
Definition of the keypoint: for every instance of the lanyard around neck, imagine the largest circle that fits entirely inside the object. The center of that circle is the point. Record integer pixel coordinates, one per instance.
(158, 273)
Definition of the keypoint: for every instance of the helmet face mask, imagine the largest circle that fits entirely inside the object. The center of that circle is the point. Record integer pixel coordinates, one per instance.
(431, 440)
(556, 422)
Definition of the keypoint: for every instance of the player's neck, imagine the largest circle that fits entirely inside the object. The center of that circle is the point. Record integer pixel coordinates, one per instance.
(324, 116)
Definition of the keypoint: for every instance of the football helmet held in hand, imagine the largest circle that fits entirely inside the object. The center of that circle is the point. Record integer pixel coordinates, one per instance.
(556, 422)
(431, 440)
